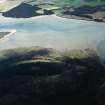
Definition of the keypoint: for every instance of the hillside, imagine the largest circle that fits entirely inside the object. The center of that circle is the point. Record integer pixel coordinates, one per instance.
(43, 76)
(68, 2)
(9, 4)
(77, 9)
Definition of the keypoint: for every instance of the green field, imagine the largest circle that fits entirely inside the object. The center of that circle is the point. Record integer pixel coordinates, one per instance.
(68, 2)
(60, 3)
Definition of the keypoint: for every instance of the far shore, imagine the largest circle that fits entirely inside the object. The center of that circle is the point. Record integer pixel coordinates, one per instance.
(2, 18)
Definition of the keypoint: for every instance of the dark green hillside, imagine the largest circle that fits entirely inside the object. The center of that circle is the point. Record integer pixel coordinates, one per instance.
(39, 76)
(68, 2)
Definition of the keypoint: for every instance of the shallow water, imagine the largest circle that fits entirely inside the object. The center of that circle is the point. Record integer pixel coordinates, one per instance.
(53, 32)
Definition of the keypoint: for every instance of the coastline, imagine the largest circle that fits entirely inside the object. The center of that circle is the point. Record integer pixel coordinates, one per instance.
(3, 18)
(82, 18)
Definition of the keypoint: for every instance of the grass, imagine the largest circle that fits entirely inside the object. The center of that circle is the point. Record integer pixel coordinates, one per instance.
(39, 53)
(33, 55)
(64, 8)
(48, 3)
(71, 2)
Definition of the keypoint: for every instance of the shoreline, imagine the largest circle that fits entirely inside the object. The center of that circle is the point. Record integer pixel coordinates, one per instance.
(53, 15)
(82, 18)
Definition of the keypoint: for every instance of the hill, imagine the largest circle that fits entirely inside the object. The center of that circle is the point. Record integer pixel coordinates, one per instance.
(77, 9)
(43, 76)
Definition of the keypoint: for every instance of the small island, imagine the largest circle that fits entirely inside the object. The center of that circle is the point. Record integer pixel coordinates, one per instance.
(3, 34)
(6, 33)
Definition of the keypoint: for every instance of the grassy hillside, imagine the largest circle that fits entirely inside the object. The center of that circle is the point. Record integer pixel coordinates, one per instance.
(69, 2)
(77, 9)
(39, 76)
(76, 3)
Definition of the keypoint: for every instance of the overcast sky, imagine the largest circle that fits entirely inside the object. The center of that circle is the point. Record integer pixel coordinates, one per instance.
(2, 1)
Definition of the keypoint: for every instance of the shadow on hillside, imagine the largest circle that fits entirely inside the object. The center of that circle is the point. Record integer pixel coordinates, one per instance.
(67, 82)
(25, 10)
(86, 11)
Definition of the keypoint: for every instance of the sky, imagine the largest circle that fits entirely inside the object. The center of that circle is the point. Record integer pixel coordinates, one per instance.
(1, 1)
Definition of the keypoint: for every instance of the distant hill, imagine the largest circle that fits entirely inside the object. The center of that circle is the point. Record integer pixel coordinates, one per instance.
(69, 2)
(11, 3)
(25, 10)
(77, 9)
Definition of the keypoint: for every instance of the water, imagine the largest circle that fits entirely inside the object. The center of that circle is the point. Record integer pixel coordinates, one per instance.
(54, 32)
